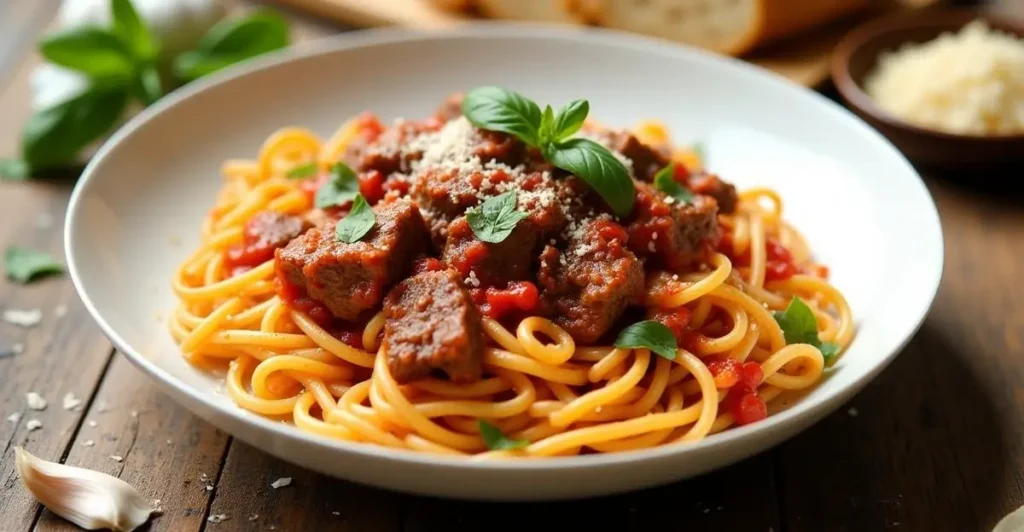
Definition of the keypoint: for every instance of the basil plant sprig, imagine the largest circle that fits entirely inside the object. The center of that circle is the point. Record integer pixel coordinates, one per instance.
(120, 64)
(498, 109)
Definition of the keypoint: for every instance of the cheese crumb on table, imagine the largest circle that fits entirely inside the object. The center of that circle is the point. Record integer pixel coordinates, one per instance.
(969, 82)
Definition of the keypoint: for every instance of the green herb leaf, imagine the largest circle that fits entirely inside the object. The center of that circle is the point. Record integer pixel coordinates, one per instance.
(497, 109)
(359, 221)
(132, 31)
(52, 137)
(232, 41)
(496, 440)
(23, 265)
(14, 169)
(651, 335)
(570, 119)
(799, 326)
(597, 166)
(341, 188)
(546, 131)
(92, 51)
(303, 171)
(496, 218)
(665, 181)
(150, 86)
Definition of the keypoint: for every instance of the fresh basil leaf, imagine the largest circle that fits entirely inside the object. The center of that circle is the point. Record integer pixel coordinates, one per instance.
(497, 109)
(546, 131)
(496, 218)
(665, 181)
(340, 189)
(570, 119)
(91, 51)
(23, 264)
(150, 86)
(651, 335)
(232, 41)
(190, 66)
(496, 440)
(14, 169)
(132, 31)
(52, 137)
(597, 166)
(357, 223)
(799, 326)
(303, 171)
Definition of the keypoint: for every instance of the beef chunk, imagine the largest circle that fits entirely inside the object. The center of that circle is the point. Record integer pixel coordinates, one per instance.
(711, 185)
(491, 264)
(273, 229)
(589, 285)
(390, 151)
(667, 234)
(431, 323)
(646, 160)
(351, 278)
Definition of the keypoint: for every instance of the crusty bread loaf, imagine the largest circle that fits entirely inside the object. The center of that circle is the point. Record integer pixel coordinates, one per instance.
(728, 26)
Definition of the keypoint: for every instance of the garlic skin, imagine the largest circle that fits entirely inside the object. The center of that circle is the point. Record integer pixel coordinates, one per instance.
(89, 499)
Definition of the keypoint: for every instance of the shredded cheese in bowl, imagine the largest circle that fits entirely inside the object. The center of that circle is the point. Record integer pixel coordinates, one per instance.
(968, 83)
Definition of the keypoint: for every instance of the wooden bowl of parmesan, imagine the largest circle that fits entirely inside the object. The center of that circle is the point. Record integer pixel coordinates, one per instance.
(945, 86)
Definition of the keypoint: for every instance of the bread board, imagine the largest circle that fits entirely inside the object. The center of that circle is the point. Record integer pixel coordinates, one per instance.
(803, 58)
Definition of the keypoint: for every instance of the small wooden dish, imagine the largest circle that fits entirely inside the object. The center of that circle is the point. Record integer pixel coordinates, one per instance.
(856, 56)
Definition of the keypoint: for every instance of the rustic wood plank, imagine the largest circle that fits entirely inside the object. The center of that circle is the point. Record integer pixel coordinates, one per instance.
(938, 440)
(311, 502)
(166, 452)
(740, 497)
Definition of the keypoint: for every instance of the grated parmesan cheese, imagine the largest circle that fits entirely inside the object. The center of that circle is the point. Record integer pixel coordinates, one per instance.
(970, 82)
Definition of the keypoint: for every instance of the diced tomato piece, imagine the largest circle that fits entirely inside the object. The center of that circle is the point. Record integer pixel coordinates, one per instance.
(609, 230)
(675, 319)
(370, 127)
(726, 372)
(778, 270)
(311, 185)
(820, 271)
(520, 296)
(427, 264)
(776, 251)
(249, 255)
(371, 186)
(473, 254)
(681, 174)
(751, 375)
(401, 186)
(748, 409)
(350, 338)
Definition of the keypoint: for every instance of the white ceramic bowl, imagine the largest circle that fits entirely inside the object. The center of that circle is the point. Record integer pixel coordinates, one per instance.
(136, 212)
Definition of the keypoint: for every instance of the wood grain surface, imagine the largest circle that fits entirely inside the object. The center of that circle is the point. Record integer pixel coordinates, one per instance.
(935, 444)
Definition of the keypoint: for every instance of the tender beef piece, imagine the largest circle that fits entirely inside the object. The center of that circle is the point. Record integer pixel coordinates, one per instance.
(647, 160)
(669, 235)
(500, 147)
(431, 323)
(390, 151)
(711, 185)
(492, 264)
(443, 195)
(273, 229)
(590, 284)
(351, 278)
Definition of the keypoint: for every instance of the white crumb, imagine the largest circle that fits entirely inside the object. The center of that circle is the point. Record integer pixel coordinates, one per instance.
(23, 318)
(117, 458)
(253, 518)
(217, 518)
(71, 402)
(15, 349)
(35, 401)
(33, 424)
(102, 407)
(15, 417)
(60, 310)
(281, 482)
(92, 423)
(135, 413)
(158, 509)
(88, 443)
(852, 412)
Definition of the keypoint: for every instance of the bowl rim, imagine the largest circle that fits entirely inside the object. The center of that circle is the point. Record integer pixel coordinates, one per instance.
(945, 20)
(794, 418)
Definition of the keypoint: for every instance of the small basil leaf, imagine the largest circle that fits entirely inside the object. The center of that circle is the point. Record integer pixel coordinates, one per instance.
(303, 171)
(340, 189)
(150, 85)
(23, 265)
(190, 66)
(570, 119)
(357, 223)
(496, 218)
(14, 170)
(53, 136)
(91, 51)
(799, 326)
(651, 335)
(546, 131)
(132, 31)
(597, 166)
(665, 181)
(829, 351)
(496, 440)
(497, 109)
(259, 32)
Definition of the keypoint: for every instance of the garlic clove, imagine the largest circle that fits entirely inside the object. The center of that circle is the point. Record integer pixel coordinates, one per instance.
(89, 499)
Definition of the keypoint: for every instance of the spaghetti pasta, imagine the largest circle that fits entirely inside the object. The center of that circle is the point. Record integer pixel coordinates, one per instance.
(541, 386)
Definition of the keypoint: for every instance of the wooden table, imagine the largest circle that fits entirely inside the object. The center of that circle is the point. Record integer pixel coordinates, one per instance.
(935, 444)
